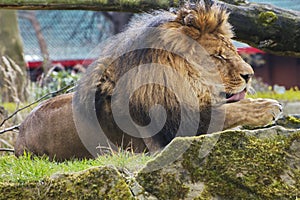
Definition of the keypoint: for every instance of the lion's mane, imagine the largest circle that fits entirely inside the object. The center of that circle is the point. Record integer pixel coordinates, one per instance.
(124, 53)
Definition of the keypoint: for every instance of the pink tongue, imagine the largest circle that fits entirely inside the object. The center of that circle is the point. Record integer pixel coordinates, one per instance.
(237, 97)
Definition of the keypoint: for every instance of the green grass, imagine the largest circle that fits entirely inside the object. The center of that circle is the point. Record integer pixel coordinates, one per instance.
(27, 168)
(292, 94)
(12, 107)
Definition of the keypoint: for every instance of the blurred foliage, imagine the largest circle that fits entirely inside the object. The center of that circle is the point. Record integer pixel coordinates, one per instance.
(55, 82)
(259, 86)
(292, 94)
(263, 90)
(10, 107)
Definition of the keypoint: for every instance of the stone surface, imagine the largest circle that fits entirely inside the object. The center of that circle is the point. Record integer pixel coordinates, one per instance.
(241, 164)
(93, 183)
(290, 107)
(290, 121)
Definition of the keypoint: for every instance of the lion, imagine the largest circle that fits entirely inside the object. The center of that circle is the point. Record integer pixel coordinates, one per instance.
(182, 61)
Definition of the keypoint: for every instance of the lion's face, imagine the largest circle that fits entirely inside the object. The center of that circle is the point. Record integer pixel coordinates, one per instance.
(234, 72)
(210, 28)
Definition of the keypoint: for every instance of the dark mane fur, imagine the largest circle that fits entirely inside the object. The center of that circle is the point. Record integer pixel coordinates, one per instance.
(123, 53)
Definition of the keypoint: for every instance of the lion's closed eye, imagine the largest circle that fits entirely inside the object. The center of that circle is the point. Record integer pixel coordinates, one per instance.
(220, 56)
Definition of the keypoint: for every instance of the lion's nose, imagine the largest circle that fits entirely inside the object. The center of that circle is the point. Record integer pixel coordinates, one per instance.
(247, 72)
(246, 77)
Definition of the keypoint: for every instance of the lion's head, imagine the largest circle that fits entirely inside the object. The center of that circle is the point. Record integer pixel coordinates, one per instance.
(167, 59)
(210, 28)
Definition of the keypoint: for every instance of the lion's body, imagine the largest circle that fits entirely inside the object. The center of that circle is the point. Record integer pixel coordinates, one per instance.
(195, 44)
(51, 133)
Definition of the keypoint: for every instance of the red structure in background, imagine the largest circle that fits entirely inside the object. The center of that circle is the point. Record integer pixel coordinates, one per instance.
(35, 67)
(66, 63)
(249, 50)
(280, 70)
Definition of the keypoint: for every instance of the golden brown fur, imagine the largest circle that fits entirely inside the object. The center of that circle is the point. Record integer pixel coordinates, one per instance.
(49, 129)
(207, 27)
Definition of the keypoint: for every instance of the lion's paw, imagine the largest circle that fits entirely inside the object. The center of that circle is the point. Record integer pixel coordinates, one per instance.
(260, 112)
(252, 112)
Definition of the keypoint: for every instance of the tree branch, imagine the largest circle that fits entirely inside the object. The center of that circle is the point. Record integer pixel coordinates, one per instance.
(110, 5)
(9, 129)
(266, 27)
(7, 150)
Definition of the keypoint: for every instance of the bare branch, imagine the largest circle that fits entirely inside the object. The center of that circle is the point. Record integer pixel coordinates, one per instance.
(6, 143)
(127, 6)
(7, 150)
(10, 129)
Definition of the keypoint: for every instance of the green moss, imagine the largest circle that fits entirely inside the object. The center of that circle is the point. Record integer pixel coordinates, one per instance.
(267, 18)
(169, 186)
(290, 121)
(165, 187)
(241, 165)
(293, 94)
(293, 119)
(94, 183)
(205, 194)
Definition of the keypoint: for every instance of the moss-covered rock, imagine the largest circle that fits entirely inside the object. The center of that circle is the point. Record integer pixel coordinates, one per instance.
(93, 183)
(267, 18)
(243, 164)
(290, 121)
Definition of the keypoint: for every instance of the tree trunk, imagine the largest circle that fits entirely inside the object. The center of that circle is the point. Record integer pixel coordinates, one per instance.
(120, 20)
(10, 42)
(31, 16)
(11, 46)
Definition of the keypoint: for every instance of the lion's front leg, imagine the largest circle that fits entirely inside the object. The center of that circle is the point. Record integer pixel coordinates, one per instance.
(251, 112)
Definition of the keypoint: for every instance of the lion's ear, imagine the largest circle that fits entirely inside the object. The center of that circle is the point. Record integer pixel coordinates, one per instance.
(211, 19)
(181, 14)
(186, 17)
(189, 20)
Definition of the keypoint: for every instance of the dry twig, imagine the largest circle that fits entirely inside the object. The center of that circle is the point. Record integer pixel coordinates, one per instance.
(10, 129)
(7, 150)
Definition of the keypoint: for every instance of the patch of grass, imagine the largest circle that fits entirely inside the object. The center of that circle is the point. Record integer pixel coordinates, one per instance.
(12, 107)
(292, 94)
(28, 168)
